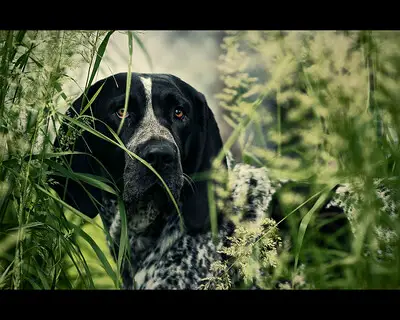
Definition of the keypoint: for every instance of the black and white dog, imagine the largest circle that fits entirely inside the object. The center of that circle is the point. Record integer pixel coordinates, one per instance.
(169, 124)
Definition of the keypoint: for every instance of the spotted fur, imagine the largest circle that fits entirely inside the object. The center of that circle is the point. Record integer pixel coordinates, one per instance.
(176, 259)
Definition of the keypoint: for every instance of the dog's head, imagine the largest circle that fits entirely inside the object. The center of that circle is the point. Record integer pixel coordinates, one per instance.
(168, 123)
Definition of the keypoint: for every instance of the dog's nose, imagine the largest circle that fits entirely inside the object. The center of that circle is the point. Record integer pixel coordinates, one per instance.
(159, 154)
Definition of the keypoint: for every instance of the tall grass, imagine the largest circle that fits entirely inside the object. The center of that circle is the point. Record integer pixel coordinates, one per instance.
(318, 108)
(44, 243)
(329, 116)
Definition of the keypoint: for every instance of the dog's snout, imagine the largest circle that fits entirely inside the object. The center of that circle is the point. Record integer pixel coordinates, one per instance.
(164, 156)
(159, 154)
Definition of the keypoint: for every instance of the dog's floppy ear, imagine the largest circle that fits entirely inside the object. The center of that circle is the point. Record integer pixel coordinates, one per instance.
(203, 145)
(69, 190)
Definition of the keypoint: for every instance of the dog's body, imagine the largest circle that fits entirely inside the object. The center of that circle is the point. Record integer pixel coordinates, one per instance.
(169, 124)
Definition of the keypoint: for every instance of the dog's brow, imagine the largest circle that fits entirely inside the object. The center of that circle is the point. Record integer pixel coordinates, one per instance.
(174, 97)
(119, 101)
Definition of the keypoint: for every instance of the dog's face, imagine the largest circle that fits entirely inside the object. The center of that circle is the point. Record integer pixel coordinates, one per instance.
(156, 127)
(159, 132)
(168, 124)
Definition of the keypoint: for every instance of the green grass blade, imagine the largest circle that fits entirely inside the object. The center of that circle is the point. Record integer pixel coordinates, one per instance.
(143, 47)
(305, 222)
(123, 242)
(65, 279)
(5, 274)
(98, 178)
(37, 62)
(20, 36)
(75, 250)
(66, 205)
(128, 82)
(99, 57)
(57, 86)
(213, 210)
(92, 180)
(34, 284)
(27, 226)
(77, 176)
(43, 279)
(92, 99)
(99, 253)
(22, 60)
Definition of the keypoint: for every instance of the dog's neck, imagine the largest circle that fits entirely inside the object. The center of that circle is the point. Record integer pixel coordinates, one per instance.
(145, 225)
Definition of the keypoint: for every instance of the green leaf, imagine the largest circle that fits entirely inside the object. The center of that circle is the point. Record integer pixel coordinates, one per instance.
(124, 241)
(27, 226)
(128, 82)
(305, 222)
(92, 99)
(4, 274)
(75, 211)
(77, 176)
(213, 209)
(57, 86)
(99, 253)
(142, 46)
(43, 279)
(75, 250)
(99, 57)
(34, 284)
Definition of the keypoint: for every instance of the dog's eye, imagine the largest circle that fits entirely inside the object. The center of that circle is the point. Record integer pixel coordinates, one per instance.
(179, 114)
(120, 113)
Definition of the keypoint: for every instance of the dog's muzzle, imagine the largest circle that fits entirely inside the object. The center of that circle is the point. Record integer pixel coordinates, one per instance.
(140, 182)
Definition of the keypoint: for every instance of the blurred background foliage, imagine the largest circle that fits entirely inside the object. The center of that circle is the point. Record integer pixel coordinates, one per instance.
(316, 107)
